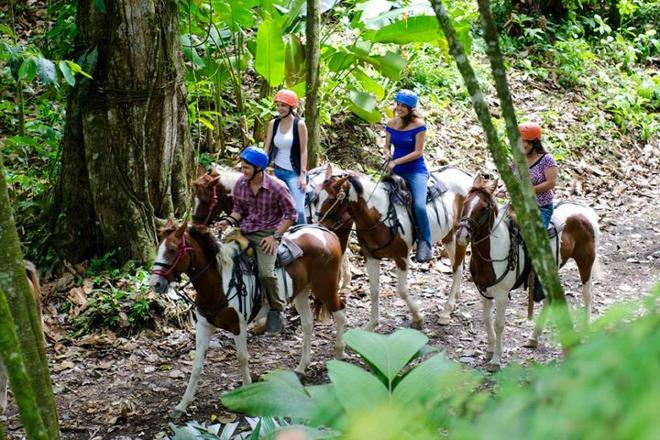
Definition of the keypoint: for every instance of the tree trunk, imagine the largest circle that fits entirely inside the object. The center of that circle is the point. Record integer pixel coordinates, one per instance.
(520, 186)
(21, 337)
(126, 156)
(313, 81)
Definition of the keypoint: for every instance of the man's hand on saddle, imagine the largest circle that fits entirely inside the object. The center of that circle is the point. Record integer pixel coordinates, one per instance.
(269, 245)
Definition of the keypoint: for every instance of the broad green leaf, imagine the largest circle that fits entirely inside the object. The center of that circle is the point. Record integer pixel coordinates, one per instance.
(28, 69)
(390, 65)
(371, 117)
(190, 52)
(75, 68)
(47, 71)
(294, 56)
(100, 5)
(355, 388)
(280, 394)
(389, 354)
(420, 29)
(4, 29)
(418, 383)
(340, 61)
(206, 123)
(269, 61)
(369, 84)
(326, 409)
(236, 14)
(66, 73)
(300, 88)
(367, 103)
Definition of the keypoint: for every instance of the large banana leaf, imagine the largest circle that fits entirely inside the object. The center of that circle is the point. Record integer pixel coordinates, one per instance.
(390, 65)
(364, 105)
(355, 388)
(236, 14)
(389, 354)
(369, 84)
(420, 29)
(294, 60)
(269, 61)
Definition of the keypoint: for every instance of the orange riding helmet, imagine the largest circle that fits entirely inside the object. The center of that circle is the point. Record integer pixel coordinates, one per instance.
(529, 131)
(287, 97)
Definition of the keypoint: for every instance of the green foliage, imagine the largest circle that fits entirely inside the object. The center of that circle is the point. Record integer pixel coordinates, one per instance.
(120, 299)
(359, 402)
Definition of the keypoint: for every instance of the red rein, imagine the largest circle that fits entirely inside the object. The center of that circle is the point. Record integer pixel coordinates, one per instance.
(168, 268)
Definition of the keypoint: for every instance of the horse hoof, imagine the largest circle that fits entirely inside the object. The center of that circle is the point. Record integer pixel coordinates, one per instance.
(531, 343)
(417, 325)
(489, 355)
(492, 367)
(444, 319)
(176, 415)
(259, 327)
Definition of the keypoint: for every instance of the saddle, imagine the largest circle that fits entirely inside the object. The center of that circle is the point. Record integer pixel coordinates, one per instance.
(287, 252)
(400, 194)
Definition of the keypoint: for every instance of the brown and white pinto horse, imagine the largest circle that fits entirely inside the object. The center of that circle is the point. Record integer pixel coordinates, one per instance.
(494, 270)
(385, 230)
(193, 250)
(213, 197)
(35, 288)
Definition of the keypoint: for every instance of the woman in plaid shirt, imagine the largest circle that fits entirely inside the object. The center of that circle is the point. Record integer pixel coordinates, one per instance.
(264, 210)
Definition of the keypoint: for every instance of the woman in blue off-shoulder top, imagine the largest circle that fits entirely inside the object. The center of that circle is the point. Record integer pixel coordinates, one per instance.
(407, 132)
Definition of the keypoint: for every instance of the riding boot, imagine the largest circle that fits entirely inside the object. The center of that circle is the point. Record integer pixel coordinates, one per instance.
(424, 251)
(274, 322)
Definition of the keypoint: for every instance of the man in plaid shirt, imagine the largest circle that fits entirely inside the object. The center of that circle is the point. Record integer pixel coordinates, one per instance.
(264, 209)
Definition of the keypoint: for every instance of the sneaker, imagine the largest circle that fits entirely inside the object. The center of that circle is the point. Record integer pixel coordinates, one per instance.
(274, 322)
(424, 252)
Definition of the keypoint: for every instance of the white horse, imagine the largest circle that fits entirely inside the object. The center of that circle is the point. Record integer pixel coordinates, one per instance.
(385, 229)
(496, 270)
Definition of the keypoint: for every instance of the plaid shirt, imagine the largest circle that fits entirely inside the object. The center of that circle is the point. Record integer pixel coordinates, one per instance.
(265, 211)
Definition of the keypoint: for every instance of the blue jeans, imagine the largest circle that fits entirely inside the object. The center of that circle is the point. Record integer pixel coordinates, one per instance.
(417, 183)
(292, 182)
(546, 214)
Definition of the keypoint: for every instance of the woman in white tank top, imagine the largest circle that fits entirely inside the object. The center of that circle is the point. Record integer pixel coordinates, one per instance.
(286, 145)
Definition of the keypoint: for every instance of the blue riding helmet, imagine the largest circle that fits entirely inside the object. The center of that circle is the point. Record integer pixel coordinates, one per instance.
(255, 156)
(406, 97)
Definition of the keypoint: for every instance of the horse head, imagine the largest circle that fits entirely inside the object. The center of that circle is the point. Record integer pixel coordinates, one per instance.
(173, 258)
(478, 212)
(332, 199)
(212, 197)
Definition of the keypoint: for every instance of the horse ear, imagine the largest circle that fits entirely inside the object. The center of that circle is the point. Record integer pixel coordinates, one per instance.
(340, 182)
(169, 223)
(200, 170)
(182, 229)
(478, 181)
(213, 172)
(493, 185)
(328, 171)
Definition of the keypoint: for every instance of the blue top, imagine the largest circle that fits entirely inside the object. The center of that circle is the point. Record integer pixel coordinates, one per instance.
(404, 144)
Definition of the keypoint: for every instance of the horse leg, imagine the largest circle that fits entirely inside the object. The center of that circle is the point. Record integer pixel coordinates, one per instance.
(203, 333)
(456, 256)
(402, 289)
(373, 270)
(586, 299)
(346, 275)
(259, 326)
(301, 302)
(242, 354)
(487, 317)
(340, 324)
(3, 388)
(533, 342)
(501, 300)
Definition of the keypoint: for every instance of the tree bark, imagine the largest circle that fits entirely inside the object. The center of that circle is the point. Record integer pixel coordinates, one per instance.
(126, 156)
(520, 186)
(313, 80)
(21, 337)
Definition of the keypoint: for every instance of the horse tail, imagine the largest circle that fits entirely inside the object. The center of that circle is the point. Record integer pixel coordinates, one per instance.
(321, 312)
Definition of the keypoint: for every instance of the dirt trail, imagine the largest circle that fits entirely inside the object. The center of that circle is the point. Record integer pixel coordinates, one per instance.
(116, 388)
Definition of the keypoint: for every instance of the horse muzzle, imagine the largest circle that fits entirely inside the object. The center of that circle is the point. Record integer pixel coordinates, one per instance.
(158, 283)
(463, 236)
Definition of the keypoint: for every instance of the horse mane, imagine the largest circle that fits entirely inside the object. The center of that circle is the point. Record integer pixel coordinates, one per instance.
(228, 176)
(354, 180)
(489, 196)
(206, 240)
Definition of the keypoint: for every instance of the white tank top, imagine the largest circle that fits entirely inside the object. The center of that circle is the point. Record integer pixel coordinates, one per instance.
(283, 142)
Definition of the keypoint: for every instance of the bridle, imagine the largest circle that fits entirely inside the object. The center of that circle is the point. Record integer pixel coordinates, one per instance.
(181, 251)
(472, 225)
(214, 203)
